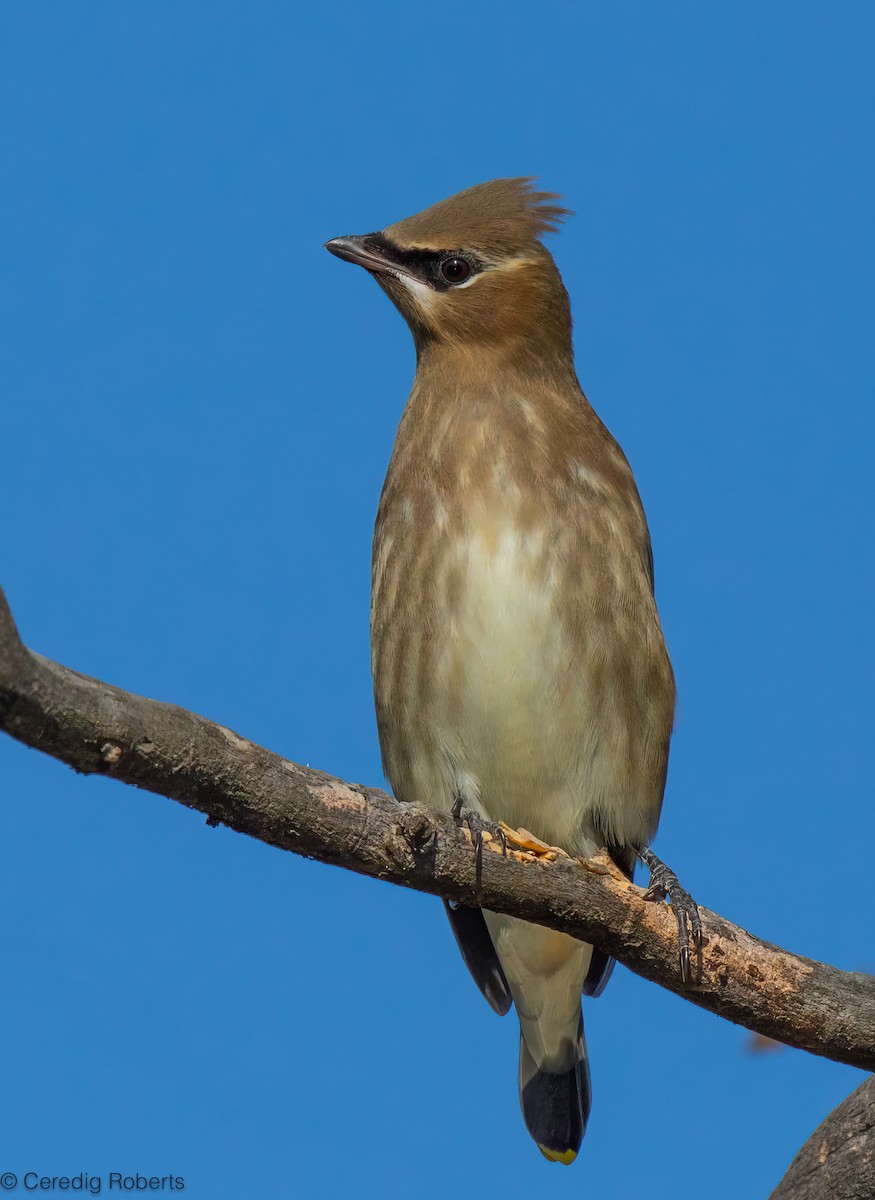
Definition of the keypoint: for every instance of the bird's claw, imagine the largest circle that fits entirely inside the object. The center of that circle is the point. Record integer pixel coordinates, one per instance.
(477, 826)
(664, 883)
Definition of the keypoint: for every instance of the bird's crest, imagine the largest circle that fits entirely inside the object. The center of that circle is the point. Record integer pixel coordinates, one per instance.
(503, 214)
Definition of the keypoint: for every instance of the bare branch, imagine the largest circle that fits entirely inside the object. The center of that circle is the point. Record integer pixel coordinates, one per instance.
(838, 1160)
(100, 729)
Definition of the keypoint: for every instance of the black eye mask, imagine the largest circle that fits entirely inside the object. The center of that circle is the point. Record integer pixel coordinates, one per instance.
(425, 265)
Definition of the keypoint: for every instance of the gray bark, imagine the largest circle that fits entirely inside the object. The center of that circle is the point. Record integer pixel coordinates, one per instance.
(99, 729)
(838, 1160)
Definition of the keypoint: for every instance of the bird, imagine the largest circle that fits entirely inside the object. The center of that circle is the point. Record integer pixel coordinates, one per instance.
(519, 666)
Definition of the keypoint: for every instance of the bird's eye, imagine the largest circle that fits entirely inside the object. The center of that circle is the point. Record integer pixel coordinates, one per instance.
(455, 270)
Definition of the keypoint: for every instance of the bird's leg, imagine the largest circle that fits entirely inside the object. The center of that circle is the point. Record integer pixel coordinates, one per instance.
(477, 826)
(524, 846)
(664, 882)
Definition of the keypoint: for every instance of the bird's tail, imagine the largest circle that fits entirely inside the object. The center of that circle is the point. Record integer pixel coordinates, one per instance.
(556, 1106)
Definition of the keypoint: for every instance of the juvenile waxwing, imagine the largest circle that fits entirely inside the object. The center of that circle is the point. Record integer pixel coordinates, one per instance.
(519, 666)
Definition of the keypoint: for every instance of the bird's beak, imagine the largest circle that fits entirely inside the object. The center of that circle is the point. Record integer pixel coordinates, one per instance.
(365, 251)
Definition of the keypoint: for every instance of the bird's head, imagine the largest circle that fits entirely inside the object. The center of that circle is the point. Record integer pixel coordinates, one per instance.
(471, 271)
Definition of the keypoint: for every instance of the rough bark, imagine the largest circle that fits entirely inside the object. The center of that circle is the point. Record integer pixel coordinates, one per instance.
(838, 1160)
(100, 729)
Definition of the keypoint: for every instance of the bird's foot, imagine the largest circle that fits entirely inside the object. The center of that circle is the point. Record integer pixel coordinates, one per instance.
(523, 845)
(480, 830)
(664, 883)
(528, 848)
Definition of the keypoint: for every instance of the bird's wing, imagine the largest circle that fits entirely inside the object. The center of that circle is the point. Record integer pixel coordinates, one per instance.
(472, 938)
(648, 562)
(601, 965)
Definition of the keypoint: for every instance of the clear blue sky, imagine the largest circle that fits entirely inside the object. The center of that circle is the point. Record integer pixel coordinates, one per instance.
(199, 405)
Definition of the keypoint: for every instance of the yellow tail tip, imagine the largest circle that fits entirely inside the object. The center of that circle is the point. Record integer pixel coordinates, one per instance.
(566, 1157)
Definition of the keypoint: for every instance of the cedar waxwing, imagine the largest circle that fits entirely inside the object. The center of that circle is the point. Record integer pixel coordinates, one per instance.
(519, 666)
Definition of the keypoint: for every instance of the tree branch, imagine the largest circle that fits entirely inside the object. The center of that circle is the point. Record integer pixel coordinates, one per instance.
(838, 1160)
(100, 729)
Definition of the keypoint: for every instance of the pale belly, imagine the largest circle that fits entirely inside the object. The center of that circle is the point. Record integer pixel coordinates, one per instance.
(522, 715)
(513, 708)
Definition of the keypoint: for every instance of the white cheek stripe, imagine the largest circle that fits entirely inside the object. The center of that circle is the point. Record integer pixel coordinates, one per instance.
(421, 292)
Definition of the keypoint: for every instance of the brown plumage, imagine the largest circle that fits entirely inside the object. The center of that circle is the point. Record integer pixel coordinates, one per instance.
(518, 660)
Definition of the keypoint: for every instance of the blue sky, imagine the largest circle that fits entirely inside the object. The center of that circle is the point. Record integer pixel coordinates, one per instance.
(199, 405)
